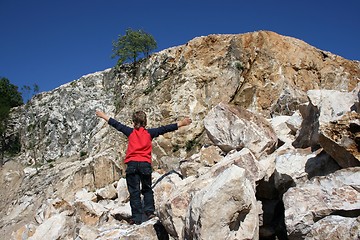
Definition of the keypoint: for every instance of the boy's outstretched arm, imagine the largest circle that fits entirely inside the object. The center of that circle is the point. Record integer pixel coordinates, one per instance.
(112, 122)
(102, 115)
(186, 121)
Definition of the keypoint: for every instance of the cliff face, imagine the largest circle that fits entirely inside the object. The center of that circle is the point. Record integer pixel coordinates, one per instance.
(261, 71)
(61, 123)
(65, 148)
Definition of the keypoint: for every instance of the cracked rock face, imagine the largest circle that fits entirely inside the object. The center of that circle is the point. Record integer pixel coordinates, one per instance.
(61, 123)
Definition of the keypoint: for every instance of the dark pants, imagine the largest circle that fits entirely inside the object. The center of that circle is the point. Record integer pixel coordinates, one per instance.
(136, 173)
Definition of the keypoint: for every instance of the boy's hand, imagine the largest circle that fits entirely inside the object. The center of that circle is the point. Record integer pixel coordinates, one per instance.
(102, 115)
(186, 121)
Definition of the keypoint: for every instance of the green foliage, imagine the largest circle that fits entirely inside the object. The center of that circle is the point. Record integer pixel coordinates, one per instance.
(175, 148)
(190, 145)
(9, 97)
(238, 65)
(132, 44)
(13, 145)
(83, 154)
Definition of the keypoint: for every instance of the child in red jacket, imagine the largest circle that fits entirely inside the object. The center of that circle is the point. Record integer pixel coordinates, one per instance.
(138, 160)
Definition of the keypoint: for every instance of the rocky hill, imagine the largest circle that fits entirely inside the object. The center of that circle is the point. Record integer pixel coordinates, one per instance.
(273, 150)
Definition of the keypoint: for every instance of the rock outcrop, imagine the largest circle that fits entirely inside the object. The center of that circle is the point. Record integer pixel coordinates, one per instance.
(335, 194)
(273, 150)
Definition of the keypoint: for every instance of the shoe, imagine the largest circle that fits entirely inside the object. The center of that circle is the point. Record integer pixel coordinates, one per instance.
(132, 222)
(150, 215)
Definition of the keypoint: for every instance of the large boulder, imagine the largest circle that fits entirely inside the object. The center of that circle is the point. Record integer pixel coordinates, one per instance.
(335, 227)
(232, 127)
(308, 203)
(228, 205)
(341, 139)
(56, 227)
(183, 197)
(324, 106)
(197, 164)
(330, 124)
(294, 166)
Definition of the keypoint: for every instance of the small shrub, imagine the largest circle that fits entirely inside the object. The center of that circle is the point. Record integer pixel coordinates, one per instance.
(14, 146)
(190, 145)
(175, 148)
(238, 66)
(83, 154)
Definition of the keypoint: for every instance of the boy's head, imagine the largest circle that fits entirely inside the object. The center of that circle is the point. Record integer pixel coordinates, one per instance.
(139, 119)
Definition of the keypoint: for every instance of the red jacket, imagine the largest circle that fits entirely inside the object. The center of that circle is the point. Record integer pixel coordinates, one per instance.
(139, 140)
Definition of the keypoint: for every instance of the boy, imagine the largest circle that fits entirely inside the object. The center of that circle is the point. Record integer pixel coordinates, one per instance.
(138, 160)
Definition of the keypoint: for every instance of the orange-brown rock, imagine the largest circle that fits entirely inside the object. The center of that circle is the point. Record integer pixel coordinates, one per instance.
(341, 139)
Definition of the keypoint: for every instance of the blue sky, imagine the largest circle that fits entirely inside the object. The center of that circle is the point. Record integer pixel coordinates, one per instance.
(50, 43)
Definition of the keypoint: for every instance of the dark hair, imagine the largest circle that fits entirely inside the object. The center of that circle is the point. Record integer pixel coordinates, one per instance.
(139, 119)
